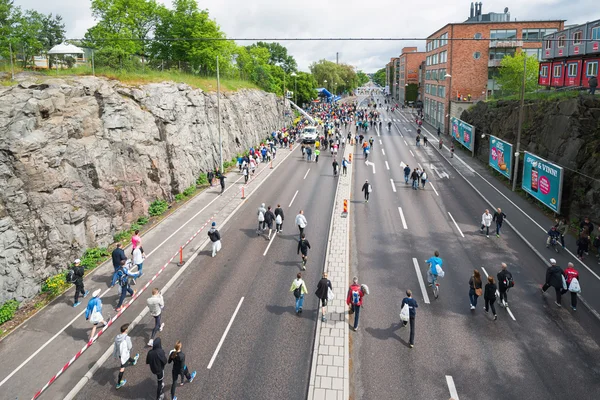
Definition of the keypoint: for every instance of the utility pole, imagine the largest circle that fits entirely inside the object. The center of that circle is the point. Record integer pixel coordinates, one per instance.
(520, 124)
(337, 57)
(12, 65)
(219, 118)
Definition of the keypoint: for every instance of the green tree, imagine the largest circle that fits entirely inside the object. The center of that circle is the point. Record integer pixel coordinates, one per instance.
(278, 56)
(379, 77)
(306, 88)
(510, 77)
(362, 78)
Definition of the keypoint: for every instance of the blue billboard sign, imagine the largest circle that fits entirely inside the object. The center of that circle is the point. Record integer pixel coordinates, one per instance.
(500, 157)
(543, 180)
(463, 133)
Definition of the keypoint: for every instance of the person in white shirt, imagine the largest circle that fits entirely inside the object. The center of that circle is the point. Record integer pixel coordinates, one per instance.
(301, 222)
(156, 304)
(486, 222)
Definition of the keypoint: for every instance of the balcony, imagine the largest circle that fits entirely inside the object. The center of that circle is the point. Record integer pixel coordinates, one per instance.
(494, 63)
(505, 43)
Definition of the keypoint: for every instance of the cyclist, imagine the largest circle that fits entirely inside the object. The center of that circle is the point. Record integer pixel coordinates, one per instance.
(432, 271)
(553, 236)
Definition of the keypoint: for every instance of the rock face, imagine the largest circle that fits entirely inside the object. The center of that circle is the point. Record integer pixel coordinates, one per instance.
(566, 132)
(81, 158)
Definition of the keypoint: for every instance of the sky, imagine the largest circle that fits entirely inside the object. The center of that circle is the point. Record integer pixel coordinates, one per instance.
(339, 18)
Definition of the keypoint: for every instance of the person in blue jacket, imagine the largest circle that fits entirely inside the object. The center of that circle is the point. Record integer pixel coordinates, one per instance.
(432, 271)
(412, 312)
(406, 174)
(93, 312)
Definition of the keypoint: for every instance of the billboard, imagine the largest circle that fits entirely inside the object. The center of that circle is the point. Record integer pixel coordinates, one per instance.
(543, 180)
(501, 153)
(463, 133)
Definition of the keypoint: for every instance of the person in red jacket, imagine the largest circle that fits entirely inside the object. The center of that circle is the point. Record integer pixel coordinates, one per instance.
(355, 300)
(570, 274)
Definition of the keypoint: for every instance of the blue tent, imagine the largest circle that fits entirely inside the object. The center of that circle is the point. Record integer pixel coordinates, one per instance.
(325, 93)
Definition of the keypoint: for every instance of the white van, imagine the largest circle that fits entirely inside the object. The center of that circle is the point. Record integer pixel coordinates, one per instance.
(309, 134)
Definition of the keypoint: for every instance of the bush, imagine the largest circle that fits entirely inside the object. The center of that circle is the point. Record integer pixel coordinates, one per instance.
(179, 197)
(226, 164)
(202, 180)
(7, 311)
(93, 257)
(158, 207)
(134, 227)
(120, 236)
(189, 191)
(55, 285)
(142, 220)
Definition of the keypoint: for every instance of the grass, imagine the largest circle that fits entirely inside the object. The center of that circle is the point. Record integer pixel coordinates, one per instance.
(552, 95)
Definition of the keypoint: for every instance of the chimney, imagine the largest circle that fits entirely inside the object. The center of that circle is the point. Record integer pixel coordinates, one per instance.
(472, 10)
(480, 8)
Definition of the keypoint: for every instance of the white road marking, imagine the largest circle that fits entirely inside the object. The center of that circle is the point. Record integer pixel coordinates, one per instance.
(411, 153)
(212, 360)
(371, 164)
(405, 143)
(433, 187)
(498, 296)
(383, 151)
(305, 175)
(387, 165)
(393, 185)
(455, 224)
(293, 198)
(402, 218)
(421, 282)
(269, 245)
(420, 167)
(452, 388)
(377, 130)
(380, 141)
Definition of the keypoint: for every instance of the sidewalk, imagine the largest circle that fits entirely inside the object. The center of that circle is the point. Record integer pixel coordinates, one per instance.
(526, 219)
(60, 324)
(329, 375)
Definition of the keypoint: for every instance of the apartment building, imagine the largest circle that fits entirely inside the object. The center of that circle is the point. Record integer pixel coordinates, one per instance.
(408, 77)
(462, 59)
(393, 75)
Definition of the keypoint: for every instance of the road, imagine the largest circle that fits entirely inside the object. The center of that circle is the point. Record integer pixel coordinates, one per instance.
(544, 352)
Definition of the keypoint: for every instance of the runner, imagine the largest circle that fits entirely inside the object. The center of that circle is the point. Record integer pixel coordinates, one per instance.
(303, 246)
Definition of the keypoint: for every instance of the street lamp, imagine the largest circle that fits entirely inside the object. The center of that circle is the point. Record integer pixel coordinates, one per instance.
(448, 76)
(295, 96)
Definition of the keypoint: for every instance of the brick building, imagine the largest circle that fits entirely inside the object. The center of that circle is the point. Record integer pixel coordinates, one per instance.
(409, 62)
(393, 75)
(473, 64)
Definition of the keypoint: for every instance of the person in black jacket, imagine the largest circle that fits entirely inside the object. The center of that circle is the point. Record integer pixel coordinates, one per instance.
(505, 282)
(412, 312)
(554, 275)
(593, 83)
(118, 254)
(269, 219)
(489, 295)
(322, 290)
(303, 247)
(215, 238)
(499, 217)
(586, 225)
(157, 360)
(366, 188)
(177, 357)
(279, 212)
(222, 181)
(210, 176)
(78, 271)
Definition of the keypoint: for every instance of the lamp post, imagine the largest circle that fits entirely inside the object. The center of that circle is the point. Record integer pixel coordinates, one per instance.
(449, 99)
(295, 96)
(219, 118)
(520, 125)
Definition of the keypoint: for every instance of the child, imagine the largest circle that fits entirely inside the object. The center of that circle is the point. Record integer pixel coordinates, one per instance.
(179, 368)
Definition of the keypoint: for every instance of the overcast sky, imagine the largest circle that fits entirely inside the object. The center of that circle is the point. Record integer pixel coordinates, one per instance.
(340, 18)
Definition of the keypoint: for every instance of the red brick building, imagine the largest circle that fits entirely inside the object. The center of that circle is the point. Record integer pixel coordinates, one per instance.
(472, 65)
(409, 62)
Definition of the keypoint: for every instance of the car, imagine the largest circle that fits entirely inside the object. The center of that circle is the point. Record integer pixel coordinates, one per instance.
(309, 134)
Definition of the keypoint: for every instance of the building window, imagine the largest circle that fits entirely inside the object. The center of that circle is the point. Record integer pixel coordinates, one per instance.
(561, 41)
(499, 54)
(544, 71)
(477, 55)
(442, 91)
(503, 34)
(592, 69)
(547, 31)
(434, 74)
(533, 53)
(577, 37)
(427, 74)
(557, 71)
(442, 74)
(531, 34)
(477, 36)
(433, 90)
(572, 69)
(548, 44)
(596, 33)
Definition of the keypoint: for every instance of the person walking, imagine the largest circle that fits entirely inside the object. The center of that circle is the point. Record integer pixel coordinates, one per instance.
(355, 300)
(177, 357)
(222, 181)
(367, 189)
(423, 179)
(489, 296)
(215, 238)
(505, 282)
(499, 217)
(322, 293)
(157, 360)
(118, 255)
(299, 289)
(138, 258)
(156, 303)
(554, 277)
(122, 352)
(124, 285)
(414, 176)
(93, 312)
(269, 219)
(136, 241)
(425, 141)
(78, 272)
(344, 166)
(279, 217)
(261, 218)
(301, 222)
(412, 305)
(335, 166)
(245, 173)
(475, 290)
(303, 246)
(593, 83)
(317, 153)
(210, 176)
(486, 222)
(573, 286)
(562, 228)
(582, 244)
(406, 174)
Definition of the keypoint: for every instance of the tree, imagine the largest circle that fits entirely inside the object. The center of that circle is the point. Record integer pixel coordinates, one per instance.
(306, 88)
(278, 56)
(339, 77)
(362, 78)
(510, 77)
(379, 77)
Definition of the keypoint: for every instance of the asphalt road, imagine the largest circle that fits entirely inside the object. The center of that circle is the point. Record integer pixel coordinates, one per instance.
(545, 352)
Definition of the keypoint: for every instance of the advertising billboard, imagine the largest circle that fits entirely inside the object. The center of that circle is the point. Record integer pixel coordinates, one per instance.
(543, 180)
(463, 133)
(501, 153)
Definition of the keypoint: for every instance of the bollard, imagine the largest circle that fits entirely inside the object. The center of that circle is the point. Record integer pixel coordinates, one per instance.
(243, 197)
(180, 263)
(350, 157)
(345, 211)
(271, 165)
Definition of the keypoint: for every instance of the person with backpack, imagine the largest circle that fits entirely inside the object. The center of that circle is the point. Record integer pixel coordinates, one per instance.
(157, 360)
(412, 305)
(344, 166)
(322, 293)
(554, 277)
(122, 352)
(210, 175)
(367, 189)
(505, 282)
(75, 276)
(423, 179)
(475, 288)
(303, 246)
(93, 312)
(215, 238)
(299, 289)
(123, 276)
(489, 296)
(118, 255)
(573, 286)
(301, 222)
(156, 303)
(177, 357)
(261, 218)
(245, 173)
(355, 300)
(499, 217)
(279, 217)
(269, 219)
(486, 222)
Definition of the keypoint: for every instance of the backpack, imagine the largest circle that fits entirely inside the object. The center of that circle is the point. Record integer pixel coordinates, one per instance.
(369, 189)
(261, 216)
(574, 286)
(123, 279)
(509, 281)
(355, 297)
(298, 291)
(70, 277)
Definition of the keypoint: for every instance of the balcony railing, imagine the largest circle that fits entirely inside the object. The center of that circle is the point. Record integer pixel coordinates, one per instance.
(494, 63)
(505, 43)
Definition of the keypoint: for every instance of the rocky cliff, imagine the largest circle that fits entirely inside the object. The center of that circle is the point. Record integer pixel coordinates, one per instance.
(566, 132)
(82, 157)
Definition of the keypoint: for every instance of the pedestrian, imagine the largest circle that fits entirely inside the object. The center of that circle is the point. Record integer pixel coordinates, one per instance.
(269, 219)
(138, 258)
(582, 244)
(573, 286)
(555, 277)
(489, 296)
(335, 166)
(301, 222)
(77, 279)
(367, 189)
(222, 181)
(177, 357)
(303, 246)
(486, 222)
(308, 154)
(440, 144)
(505, 282)
(475, 290)
(261, 218)
(323, 293)
(93, 312)
(123, 276)
(406, 174)
(355, 300)
(136, 240)
(439, 131)
(157, 360)
(344, 166)
(118, 255)
(414, 176)
(499, 217)
(279, 217)
(412, 305)
(425, 142)
(245, 172)
(593, 83)
(423, 179)
(596, 245)
(156, 304)
(451, 149)
(299, 289)
(210, 175)
(122, 352)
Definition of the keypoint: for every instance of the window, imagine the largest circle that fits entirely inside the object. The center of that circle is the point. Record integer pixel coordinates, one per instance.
(499, 54)
(503, 34)
(561, 41)
(436, 43)
(444, 39)
(596, 33)
(548, 44)
(531, 34)
(442, 91)
(427, 88)
(592, 69)
(427, 74)
(444, 56)
(477, 55)
(557, 71)
(544, 71)
(572, 69)
(442, 74)
(434, 90)
(477, 36)
(533, 52)
(577, 37)
(547, 31)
